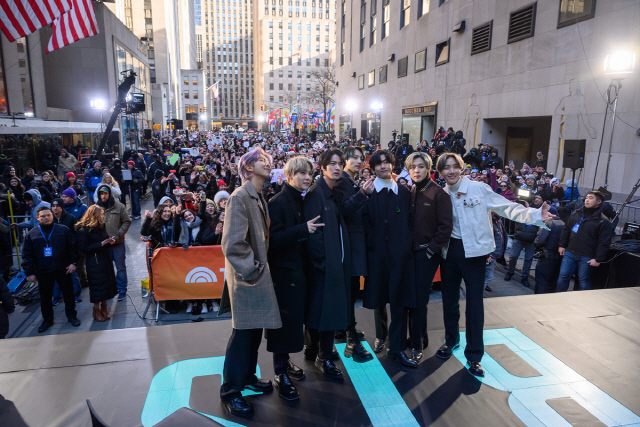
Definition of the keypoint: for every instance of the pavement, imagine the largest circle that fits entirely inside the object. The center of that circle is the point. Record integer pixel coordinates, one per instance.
(25, 320)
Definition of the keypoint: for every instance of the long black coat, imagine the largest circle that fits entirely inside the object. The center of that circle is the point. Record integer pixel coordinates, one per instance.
(329, 291)
(352, 200)
(6, 307)
(389, 250)
(98, 262)
(288, 234)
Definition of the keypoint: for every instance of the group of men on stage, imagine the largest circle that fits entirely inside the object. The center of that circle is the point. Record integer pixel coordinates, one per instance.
(294, 265)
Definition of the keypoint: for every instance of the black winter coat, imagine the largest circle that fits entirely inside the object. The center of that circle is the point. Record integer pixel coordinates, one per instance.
(64, 250)
(525, 232)
(67, 220)
(593, 237)
(288, 234)
(6, 307)
(548, 239)
(390, 257)
(98, 263)
(329, 290)
(353, 199)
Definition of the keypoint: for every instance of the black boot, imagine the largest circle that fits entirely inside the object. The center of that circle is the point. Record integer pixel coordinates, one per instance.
(356, 349)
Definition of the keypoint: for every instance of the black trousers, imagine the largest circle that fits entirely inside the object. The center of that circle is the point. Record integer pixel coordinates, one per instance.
(321, 341)
(453, 270)
(45, 285)
(381, 320)
(398, 327)
(547, 272)
(355, 293)
(280, 364)
(240, 362)
(425, 271)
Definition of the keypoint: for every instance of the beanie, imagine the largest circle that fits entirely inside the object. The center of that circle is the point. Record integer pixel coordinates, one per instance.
(221, 183)
(131, 162)
(69, 192)
(70, 174)
(553, 210)
(93, 162)
(219, 196)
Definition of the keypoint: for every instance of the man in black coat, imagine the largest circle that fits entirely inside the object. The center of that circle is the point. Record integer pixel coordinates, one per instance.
(548, 267)
(50, 255)
(329, 288)
(288, 234)
(390, 258)
(352, 199)
(401, 152)
(523, 238)
(116, 173)
(61, 216)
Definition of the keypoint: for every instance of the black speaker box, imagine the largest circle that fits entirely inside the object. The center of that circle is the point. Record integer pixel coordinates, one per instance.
(574, 152)
(147, 134)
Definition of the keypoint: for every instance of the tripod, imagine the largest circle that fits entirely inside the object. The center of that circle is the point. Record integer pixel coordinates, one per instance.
(626, 202)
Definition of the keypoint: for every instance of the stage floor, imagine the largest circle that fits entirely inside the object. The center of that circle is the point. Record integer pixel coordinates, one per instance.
(551, 360)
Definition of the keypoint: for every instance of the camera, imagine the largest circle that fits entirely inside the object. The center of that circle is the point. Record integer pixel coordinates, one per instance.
(178, 192)
(524, 195)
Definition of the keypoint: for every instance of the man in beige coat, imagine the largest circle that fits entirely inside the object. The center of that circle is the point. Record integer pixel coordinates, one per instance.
(245, 241)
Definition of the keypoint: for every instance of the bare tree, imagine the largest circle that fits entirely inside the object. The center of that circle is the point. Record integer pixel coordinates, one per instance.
(323, 82)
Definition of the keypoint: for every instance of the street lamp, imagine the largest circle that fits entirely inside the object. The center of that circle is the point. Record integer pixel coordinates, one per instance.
(619, 65)
(376, 107)
(351, 107)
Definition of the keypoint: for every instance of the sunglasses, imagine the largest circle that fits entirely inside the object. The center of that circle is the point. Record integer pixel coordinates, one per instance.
(504, 186)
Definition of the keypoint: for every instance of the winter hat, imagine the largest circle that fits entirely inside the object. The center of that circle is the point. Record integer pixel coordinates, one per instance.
(70, 192)
(222, 183)
(93, 162)
(57, 202)
(164, 200)
(571, 183)
(530, 177)
(131, 162)
(28, 196)
(70, 174)
(554, 180)
(219, 196)
(553, 210)
(159, 173)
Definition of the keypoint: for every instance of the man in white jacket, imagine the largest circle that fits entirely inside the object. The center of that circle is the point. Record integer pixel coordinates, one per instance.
(464, 258)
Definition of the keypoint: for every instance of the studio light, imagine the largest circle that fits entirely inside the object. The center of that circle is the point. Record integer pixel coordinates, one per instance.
(98, 104)
(376, 106)
(621, 62)
(261, 118)
(351, 106)
(203, 117)
(28, 114)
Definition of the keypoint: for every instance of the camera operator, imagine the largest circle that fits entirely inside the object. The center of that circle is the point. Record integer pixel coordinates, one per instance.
(458, 143)
(493, 160)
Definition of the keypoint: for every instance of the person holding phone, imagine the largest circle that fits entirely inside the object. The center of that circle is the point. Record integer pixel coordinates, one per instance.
(95, 242)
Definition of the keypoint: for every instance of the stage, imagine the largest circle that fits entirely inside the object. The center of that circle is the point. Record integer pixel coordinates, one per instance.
(551, 360)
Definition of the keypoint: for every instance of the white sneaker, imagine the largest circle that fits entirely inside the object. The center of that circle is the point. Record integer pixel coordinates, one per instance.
(145, 294)
(215, 307)
(204, 308)
(190, 308)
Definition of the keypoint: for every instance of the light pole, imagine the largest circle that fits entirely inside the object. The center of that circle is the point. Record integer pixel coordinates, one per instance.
(619, 65)
(351, 107)
(99, 105)
(376, 107)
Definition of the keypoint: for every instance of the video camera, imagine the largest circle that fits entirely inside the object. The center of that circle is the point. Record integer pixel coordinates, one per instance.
(524, 195)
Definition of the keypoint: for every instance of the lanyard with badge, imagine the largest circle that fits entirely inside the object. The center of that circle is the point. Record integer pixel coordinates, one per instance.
(576, 226)
(48, 251)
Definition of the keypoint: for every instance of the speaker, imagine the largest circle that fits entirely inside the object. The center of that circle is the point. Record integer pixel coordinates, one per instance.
(147, 134)
(314, 135)
(353, 133)
(574, 152)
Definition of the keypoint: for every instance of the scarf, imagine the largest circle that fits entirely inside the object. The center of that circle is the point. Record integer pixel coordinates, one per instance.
(192, 228)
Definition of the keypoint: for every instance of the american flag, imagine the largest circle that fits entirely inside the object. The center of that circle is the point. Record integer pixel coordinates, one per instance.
(78, 23)
(19, 18)
(215, 91)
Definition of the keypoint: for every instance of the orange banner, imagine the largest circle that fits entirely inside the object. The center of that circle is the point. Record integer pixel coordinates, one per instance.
(195, 273)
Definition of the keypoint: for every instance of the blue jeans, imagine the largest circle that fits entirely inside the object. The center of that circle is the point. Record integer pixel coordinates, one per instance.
(516, 247)
(77, 289)
(571, 263)
(119, 255)
(135, 202)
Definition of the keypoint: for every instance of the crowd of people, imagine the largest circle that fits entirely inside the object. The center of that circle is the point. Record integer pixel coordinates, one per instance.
(300, 222)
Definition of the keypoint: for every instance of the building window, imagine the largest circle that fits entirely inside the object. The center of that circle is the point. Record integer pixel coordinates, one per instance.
(195, 94)
(361, 81)
(402, 66)
(186, 81)
(386, 11)
(363, 23)
(308, 88)
(186, 94)
(382, 75)
(572, 11)
(195, 81)
(442, 52)
(423, 7)
(421, 61)
(374, 22)
(405, 16)
(270, 86)
(372, 78)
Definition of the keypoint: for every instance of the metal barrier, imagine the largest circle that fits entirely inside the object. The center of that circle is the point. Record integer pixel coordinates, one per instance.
(628, 214)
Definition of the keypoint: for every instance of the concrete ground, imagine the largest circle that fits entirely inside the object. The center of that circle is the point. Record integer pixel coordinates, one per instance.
(25, 320)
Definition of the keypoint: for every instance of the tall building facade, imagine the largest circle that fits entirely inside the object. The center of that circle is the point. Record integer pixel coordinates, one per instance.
(293, 38)
(523, 76)
(227, 43)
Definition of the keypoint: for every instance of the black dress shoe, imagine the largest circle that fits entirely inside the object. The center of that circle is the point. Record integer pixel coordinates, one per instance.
(355, 349)
(525, 283)
(264, 386)
(416, 355)
(75, 322)
(313, 354)
(294, 372)
(475, 368)
(379, 345)
(508, 276)
(340, 335)
(286, 390)
(328, 368)
(401, 357)
(487, 288)
(44, 326)
(238, 406)
(445, 352)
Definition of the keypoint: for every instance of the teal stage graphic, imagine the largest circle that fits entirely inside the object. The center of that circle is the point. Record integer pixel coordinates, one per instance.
(170, 388)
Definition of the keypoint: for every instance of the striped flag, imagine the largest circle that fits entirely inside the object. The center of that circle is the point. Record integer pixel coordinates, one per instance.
(76, 24)
(19, 18)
